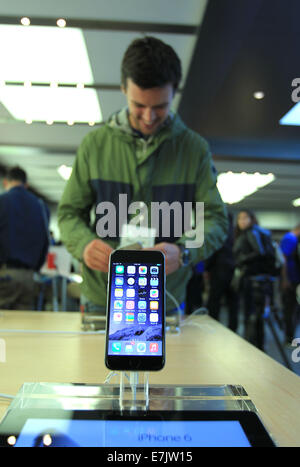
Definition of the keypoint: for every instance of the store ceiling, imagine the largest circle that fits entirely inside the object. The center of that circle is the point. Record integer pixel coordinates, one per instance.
(245, 47)
(228, 49)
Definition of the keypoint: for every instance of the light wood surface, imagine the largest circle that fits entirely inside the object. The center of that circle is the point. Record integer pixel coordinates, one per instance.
(204, 352)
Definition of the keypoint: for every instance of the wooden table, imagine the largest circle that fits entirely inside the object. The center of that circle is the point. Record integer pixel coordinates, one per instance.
(203, 353)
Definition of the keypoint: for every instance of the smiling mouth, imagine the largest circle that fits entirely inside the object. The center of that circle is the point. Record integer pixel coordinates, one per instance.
(149, 125)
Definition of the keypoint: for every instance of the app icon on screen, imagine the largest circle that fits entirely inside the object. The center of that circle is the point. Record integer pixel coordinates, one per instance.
(117, 317)
(142, 269)
(130, 269)
(141, 346)
(142, 305)
(154, 305)
(154, 270)
(116, 346)
(142, 317)
(119, 269)
(154, 293)
(118, 304)
(130, 293)
(154, 281)
(119, 293)
(130, 304)
(153, 347)
(128, 348)
(119, 280)
(130, 281)
(142, 280)
(142, 293)
(130, 317)
(153, 317)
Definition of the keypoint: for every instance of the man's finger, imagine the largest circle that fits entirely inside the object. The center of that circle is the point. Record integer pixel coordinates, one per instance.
(102, 247)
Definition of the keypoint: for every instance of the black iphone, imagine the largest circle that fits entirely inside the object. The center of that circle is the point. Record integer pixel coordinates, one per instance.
(135, 320)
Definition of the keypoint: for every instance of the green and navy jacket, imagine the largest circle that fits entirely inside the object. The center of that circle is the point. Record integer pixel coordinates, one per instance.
(175, 164)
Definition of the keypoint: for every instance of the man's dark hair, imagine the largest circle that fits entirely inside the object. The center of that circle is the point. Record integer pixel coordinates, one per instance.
(150, 63)
(16, 174)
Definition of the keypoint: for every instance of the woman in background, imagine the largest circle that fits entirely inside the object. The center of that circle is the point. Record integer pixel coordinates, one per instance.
(254, 255)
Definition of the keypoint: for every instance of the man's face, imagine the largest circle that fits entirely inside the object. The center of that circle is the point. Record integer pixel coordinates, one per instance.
(148, 108)
(6, 184)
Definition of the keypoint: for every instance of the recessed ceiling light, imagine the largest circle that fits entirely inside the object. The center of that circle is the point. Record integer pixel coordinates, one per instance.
(25, 21)
(296, 203)
(47, 440)
(61, 23)
(259, 95)
(11, 440)
(234, 187)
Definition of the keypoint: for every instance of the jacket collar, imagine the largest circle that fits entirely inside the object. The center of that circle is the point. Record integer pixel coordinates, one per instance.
(172, 125)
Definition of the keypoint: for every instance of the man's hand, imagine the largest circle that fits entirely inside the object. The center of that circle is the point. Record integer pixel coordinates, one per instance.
(172, 255)
(96, 255)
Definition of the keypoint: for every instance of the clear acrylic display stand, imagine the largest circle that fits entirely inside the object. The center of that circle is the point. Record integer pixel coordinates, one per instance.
(123, 391)
(136, 399)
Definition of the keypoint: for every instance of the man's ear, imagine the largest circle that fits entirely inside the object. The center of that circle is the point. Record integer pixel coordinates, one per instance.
(123, 89)
(5, 183)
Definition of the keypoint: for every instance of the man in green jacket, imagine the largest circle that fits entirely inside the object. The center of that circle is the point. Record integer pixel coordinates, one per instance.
(145, 157)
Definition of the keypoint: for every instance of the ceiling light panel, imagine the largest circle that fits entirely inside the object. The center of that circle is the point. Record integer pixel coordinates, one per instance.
(65, 171)
(234, 187)
(39, 103)
(43, 55)
(292, 117)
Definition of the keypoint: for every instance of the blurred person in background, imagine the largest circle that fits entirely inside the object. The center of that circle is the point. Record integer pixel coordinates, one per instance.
(24, 241)
(290, 246)
(255, 256)
(220, 270)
